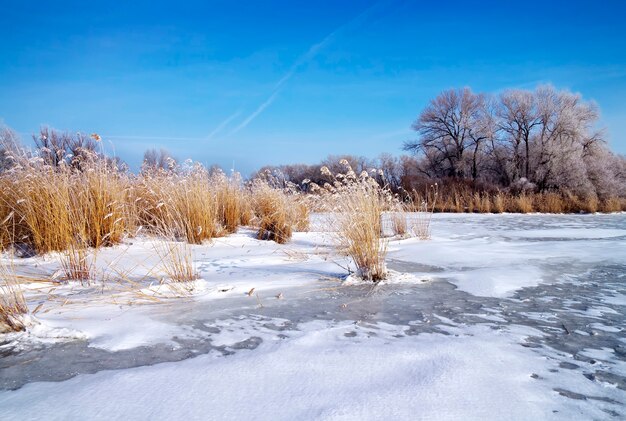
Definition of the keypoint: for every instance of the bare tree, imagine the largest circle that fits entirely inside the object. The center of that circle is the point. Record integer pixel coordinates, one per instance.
(544, 139)
(564, 140)
(50, 145)
(391, 170)
(450, 132)
(517, 118)
(155, 160)
(10, 148)
(74, 149)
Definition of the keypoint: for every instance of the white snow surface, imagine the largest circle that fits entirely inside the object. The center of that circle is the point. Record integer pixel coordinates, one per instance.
(318, 374)
(482, 257)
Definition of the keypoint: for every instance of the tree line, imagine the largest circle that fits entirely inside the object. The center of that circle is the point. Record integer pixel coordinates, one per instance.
(544, 140)
(538, 140)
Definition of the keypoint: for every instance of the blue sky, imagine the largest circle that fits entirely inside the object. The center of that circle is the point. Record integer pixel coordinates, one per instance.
(288, 81)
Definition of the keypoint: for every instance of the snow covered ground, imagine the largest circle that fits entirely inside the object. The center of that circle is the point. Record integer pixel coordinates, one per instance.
(495, 317)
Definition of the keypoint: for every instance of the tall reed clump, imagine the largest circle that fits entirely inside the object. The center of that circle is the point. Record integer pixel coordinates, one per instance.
(99, 197)
(181, 205)
(300, 212)
(39, 198)
(13, 308)
(8, 223)
(613, 204)
(522, 203)
(549, 202)
(47, 206)
(230, 201)
(272, 210)
(499, 203)
(358, 203)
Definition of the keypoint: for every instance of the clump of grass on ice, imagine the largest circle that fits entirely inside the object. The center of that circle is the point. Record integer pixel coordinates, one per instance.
(178, 202)
(77, 264)
(279, 206)
(399, 226)
(420, 224)
(229, 196)
(358, 204)
(45, 206)
(176, 260)
(13, 308)
(271, 207)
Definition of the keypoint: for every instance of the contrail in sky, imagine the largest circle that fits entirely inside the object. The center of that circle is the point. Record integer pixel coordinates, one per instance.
(223, 124)
(302, 60)
(258, 111)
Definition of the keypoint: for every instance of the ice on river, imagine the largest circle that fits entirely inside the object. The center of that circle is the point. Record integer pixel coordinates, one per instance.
(520, 317)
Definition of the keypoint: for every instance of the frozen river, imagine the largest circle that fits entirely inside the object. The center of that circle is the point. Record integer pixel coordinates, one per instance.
(504, 316)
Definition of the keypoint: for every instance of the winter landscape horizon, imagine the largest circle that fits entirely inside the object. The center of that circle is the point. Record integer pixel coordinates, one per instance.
(312, 211)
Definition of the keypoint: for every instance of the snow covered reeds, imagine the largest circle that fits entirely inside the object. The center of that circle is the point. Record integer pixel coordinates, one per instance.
(272, 209)
(420, 226)
(358, 203)
(180, 204)
(13, 308)
(45, 207)
(398, 221)
(176, 260)
(76, 263)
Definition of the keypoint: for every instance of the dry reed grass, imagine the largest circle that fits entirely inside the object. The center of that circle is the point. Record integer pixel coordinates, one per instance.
(613, 204)
(230, 200)
(420, 225)
(176, 260)
(273, 212)
(47, 207)
(545, 202)
(522, 203)
(182, 206)
(77, 264)
(300, 213)
(357, 204)
(13, 308)
(399, 226)
(462, 198)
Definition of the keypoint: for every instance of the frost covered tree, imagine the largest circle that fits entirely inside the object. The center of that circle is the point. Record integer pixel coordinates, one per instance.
(155, 160)
(10, 147)
(517, 117)
(544, 139)
(452, 130)
(564, 141)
